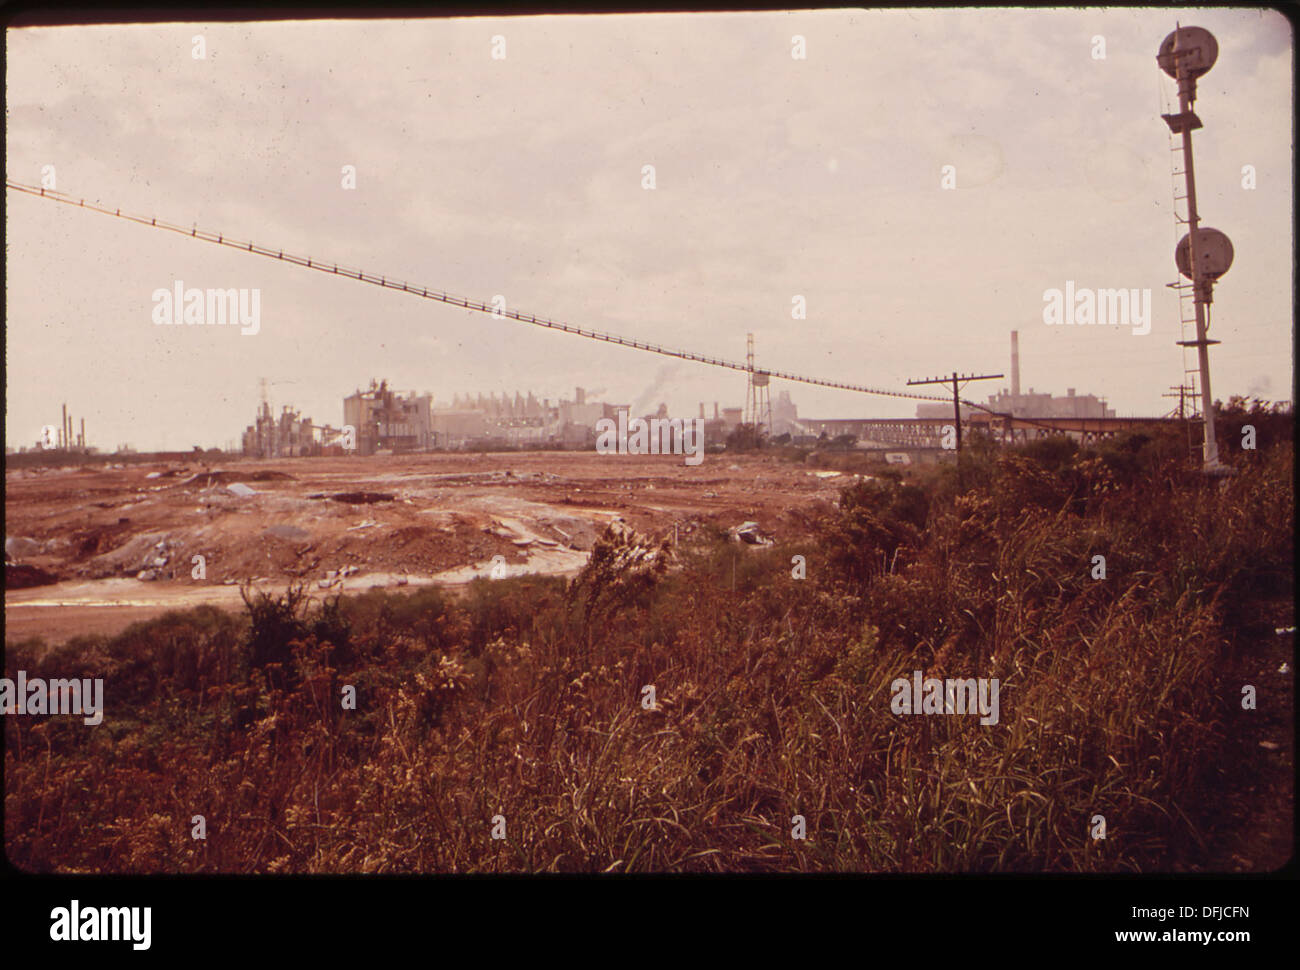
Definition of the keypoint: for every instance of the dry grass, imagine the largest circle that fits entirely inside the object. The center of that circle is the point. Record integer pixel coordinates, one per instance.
(523, 698)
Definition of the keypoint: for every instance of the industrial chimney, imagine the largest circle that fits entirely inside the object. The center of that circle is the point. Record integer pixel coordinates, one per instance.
(1015, 366)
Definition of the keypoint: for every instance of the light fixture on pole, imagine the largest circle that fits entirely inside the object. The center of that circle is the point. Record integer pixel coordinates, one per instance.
(1203, 254)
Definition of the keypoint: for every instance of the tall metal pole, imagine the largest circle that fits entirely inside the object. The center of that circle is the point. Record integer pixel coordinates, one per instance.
(1204, 254)
(751, 395)
(956, 414)
(1186, 95)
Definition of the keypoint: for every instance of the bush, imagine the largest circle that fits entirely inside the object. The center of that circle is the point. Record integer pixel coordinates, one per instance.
(526, 697)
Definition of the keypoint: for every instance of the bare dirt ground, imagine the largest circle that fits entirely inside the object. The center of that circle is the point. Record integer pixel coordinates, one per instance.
(120, 541)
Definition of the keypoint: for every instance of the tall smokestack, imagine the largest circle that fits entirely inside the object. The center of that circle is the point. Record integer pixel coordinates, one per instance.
(1015, 363)
(63, 429)
(701, 409)
(715, 410)
(81, 440)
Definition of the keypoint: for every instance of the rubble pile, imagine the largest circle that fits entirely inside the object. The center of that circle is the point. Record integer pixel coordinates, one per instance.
(748, 533)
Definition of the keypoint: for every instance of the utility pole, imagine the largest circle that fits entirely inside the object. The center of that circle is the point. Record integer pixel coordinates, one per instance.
(1203, 255)
(1183, 390)
(956, 380)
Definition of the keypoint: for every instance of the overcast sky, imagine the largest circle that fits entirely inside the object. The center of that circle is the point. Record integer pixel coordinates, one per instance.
(522, 176)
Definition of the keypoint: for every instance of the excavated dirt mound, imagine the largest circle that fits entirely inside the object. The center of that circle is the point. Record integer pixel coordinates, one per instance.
(208, 479)
(123, 540)
(360, 498)
(25, 576)
(100, 539)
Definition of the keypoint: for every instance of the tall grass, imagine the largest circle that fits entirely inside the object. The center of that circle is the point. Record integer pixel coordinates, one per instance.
(523, 697)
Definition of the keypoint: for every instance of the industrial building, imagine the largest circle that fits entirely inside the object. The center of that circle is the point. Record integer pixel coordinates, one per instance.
(457, 427)
(386, 421)
(520, 421)
(504, 408)
(1030, 404)
(289, 436)
(63, 438)
(785, 420)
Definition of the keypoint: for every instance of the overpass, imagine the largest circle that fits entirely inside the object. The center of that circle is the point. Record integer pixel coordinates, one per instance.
(1002, 428)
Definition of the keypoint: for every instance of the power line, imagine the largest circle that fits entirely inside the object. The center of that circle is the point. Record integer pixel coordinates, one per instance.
(440, 296)
(957, 401)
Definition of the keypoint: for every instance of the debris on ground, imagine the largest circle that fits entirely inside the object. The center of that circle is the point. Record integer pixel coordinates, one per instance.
(335, 576)
(216, 477)
(748, 533)
(20, 547)
(359, 498)
(25, 576)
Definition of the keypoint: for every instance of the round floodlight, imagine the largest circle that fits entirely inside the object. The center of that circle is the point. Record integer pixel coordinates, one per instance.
(1213, 254)
(1197, 52)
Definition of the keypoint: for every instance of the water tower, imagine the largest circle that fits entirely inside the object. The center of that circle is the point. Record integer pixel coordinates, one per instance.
(758, 396)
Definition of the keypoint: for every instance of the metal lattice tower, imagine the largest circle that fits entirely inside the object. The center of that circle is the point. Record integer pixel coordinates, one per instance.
(758, 399)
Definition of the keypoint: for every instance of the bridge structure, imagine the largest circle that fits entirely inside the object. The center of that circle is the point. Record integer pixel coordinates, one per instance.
(910, 432)
(1001, 428)
(758, 377)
